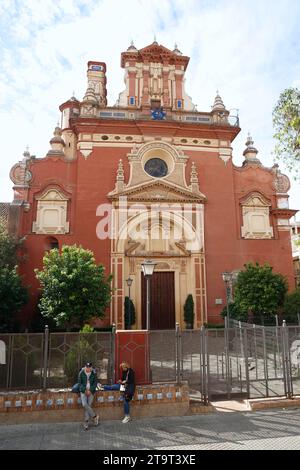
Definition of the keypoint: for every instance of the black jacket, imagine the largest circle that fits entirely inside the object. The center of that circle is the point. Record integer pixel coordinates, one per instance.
(128, 376)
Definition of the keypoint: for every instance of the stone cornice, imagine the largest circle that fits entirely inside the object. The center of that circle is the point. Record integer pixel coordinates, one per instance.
(283, 213)
(173, 193)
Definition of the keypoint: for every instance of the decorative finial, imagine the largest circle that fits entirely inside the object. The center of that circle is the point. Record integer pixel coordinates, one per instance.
(57, 142)
(26, 154)
(218, 104)
(155, 41)
(250, 152)
(194, 174)
(132, 47)
(176, 50)
(120, 172)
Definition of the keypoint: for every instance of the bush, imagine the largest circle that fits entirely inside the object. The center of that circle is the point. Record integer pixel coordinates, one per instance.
(189, 313)
(129, 313)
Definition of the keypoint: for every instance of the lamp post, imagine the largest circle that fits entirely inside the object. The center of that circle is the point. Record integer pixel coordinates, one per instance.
(129, 283)
(148, 269)
(227, 278)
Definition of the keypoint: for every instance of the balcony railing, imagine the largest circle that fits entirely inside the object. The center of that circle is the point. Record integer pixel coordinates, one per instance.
(192, 117)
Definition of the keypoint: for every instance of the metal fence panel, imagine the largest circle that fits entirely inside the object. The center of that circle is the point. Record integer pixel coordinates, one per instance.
(265, 361)
(226, 363)
(163, 356)
(68, 353)
(293, 344)
(5, 363)
(191, 358)
(24, 361)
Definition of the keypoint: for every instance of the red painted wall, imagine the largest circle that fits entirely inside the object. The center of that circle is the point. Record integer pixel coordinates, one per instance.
(88, 181)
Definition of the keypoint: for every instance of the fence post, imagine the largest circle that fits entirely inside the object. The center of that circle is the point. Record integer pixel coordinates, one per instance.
(112, 354)
(204, 366)
(9, 362)
(45, 365)
(287, 362)
(177, 354)
(265, 361)
(227, 359)
(246, 362)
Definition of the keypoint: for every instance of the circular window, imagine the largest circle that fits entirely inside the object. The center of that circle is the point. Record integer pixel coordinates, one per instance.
(156, 167)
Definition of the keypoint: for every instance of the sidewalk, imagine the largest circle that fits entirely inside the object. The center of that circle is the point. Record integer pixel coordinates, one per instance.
(268, 429)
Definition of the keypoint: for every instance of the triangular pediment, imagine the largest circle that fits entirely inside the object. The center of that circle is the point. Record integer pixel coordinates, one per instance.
(156, 49)
(158, 191)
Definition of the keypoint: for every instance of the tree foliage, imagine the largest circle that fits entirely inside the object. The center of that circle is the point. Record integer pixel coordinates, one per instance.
(259, 292)
(12, 297)
(12, 294)
(286, 122)
(8, 249)
(74, 288)
(291, 307)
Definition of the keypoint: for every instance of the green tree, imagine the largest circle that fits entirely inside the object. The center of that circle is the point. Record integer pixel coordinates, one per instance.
(291, 306)
(259, 292)
(129, 313)
(189, 313)
(234, 312)
(13, 296)
(80, 352)
(8, 249)
(74, 288)
(286, 122)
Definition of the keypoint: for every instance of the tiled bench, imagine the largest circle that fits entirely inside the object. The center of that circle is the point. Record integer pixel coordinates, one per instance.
(55, 405)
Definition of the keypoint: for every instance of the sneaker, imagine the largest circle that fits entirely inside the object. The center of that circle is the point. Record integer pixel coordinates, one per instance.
(96, 420)
(100, 387)
(126, 419)
(86, 426)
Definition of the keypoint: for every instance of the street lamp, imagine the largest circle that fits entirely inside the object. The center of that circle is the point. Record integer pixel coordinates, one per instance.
(129, 283)
(148, 269)
(227, 278)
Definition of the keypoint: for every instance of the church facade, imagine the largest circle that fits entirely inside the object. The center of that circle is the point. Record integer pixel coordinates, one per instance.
(152, 178)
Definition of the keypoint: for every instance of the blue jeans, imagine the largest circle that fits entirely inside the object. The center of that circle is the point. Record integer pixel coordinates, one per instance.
(117, 387)
(86, 403)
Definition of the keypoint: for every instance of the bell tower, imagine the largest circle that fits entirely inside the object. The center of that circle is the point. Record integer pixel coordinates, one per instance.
(154, 78)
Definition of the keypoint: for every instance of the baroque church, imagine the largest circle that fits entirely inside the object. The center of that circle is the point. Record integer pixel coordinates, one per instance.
(152, 178)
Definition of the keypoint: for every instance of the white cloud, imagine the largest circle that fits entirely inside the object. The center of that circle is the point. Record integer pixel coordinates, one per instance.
(248, 50)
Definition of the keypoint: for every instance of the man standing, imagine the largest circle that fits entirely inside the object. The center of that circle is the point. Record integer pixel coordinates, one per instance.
(87, 386)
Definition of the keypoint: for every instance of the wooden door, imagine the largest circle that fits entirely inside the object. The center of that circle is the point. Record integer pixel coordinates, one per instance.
(162, 301)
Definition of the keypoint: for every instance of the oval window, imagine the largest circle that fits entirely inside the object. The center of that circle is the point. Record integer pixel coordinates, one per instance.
(156, 167)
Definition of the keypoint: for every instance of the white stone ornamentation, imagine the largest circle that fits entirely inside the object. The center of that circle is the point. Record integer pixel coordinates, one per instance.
(51, 213)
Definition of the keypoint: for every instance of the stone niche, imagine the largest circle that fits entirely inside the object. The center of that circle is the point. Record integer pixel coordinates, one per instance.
(51, 214)
(256, 218)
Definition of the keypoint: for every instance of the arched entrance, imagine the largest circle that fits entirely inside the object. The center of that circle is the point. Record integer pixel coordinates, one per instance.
(179, 271)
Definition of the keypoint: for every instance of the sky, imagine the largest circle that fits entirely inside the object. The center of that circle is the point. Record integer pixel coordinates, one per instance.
(248, 50)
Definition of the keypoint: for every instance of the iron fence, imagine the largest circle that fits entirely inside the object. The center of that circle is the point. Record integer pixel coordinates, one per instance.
(53, 360)
(244, 360)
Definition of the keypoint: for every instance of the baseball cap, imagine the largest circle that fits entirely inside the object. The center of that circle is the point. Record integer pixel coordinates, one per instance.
(88, 364)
